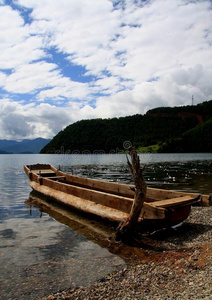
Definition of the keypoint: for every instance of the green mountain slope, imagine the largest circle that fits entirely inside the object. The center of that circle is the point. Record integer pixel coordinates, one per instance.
(198, 139)
(203, 110)
(108, 135)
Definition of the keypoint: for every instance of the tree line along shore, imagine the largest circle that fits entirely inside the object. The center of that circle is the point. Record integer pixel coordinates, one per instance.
(183, 129)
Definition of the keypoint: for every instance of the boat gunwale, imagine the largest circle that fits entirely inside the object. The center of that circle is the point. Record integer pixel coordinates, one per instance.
(153, 212)
(88, 184)
(206, 200)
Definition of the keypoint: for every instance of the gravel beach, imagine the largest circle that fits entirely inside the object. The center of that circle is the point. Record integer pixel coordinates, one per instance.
(177, 265)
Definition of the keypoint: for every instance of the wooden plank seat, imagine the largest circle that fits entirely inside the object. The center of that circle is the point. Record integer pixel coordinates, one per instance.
(176, 201)
(45, 172)
(56, 177)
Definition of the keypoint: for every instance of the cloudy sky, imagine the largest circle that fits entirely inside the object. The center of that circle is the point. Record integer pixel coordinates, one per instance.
(67, 60)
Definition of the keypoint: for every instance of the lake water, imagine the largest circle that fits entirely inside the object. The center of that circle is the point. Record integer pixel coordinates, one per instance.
(45, 249)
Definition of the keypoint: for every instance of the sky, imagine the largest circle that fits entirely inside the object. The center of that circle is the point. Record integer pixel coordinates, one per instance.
(68, 60)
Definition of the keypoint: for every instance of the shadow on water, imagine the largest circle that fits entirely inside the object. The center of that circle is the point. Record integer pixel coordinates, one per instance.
(91, 228)
(40, 256)
(102, 233)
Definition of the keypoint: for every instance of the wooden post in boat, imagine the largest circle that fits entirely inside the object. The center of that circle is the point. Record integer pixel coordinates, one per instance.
(126, 228)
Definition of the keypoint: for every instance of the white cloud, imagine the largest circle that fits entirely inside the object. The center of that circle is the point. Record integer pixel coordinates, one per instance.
(30, 77)
(139, 55)
(3, 78)
(23, 52)
(27, 121)
(16, 125)
(12, 33)
(65, 88)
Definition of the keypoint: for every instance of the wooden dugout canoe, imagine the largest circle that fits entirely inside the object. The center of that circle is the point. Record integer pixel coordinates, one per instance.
(112, 201)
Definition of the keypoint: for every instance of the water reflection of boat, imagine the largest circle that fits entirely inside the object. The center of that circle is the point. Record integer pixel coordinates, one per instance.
(96, 231)
(109, 200)
(77, 222)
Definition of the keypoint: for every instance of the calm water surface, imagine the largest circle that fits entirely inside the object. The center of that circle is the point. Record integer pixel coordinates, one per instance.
(45, 249)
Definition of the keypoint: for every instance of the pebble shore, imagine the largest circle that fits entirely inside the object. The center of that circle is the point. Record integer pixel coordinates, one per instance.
(179, 267)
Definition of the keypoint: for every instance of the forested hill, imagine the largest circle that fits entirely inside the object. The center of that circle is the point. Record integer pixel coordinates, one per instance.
(159, 126)
(198, 139)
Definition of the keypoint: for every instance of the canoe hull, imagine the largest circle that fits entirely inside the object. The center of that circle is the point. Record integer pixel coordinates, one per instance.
(110, 201)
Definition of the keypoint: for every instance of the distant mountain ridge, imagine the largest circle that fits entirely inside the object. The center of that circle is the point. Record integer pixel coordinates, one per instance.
(25, 146)
(164, 127)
